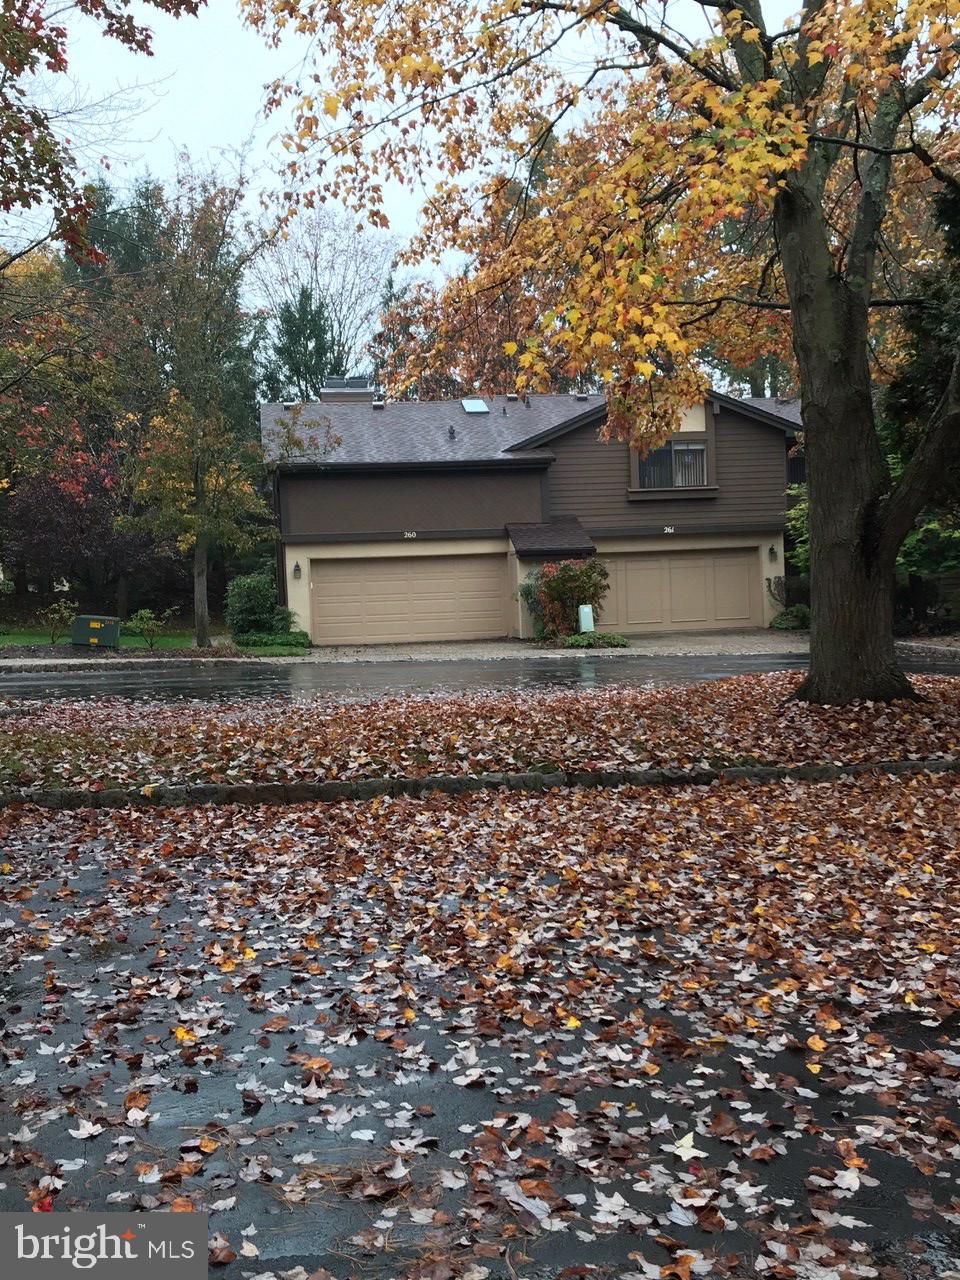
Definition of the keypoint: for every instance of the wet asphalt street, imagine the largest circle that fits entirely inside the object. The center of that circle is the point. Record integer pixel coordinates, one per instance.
(216, 682)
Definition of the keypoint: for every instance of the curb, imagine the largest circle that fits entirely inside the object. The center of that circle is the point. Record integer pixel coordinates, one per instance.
(950, 652)
(284, 793)
(947, 654)
(39, 666)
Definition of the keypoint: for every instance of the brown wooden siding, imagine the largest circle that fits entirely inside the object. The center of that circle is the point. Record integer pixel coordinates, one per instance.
(396, 502)
(590, 480)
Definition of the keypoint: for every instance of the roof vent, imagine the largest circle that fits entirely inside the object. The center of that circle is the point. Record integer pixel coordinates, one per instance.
(475, 406)
(583, 395)
(379, 403)
(452, 431)
(512, 395)
(288, 405)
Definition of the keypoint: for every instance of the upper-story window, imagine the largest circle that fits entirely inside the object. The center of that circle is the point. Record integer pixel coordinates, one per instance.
(677, 465)
(685, 464)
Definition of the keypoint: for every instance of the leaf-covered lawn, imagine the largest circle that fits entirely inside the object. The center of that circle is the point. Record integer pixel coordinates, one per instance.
(634, 1033)
(739, 721)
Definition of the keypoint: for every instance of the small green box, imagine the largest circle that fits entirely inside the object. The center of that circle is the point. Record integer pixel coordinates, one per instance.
(94, 632)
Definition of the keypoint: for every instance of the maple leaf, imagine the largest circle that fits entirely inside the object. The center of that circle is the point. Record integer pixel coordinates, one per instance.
(679, 1268)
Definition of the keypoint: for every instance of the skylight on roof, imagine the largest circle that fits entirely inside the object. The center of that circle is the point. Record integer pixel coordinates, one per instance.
(475, 406)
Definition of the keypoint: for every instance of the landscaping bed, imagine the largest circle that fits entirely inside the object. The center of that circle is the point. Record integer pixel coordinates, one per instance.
(622, 1033)
(745, 721)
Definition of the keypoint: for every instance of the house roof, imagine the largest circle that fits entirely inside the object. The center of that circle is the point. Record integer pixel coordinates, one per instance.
(443, 433)
(565, 537)
(417, 431)
(788, 409)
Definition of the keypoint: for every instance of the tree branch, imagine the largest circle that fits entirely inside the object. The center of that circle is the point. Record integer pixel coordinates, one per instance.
(653, 37)
(762, 304)
(862, 146)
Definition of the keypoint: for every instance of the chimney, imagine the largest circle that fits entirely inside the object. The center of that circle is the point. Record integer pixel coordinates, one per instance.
(354, 390)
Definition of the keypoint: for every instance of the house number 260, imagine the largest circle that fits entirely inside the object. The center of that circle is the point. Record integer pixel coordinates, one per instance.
(410, 533)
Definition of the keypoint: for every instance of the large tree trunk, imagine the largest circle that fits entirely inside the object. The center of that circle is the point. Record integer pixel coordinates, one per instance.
(201, 609)
(851, 566)
(852, 652)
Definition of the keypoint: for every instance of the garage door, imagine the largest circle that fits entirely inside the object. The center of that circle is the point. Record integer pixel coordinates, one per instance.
(683, 591)
(408, 598)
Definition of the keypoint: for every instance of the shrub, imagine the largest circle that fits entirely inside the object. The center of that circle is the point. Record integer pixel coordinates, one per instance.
(148, 625)
(266, 639)
(594, 640)
(529, 592)
(796, 618)
(559, 589)
(252, 607)
(58, 618)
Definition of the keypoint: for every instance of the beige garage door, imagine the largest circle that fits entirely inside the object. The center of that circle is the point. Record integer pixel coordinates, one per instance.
(683, 591)
(392, 600)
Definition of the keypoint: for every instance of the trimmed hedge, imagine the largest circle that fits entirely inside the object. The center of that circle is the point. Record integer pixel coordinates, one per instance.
(594, 640)
(266, 640)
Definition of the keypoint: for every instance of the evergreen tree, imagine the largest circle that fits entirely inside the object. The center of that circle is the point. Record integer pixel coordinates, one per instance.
(301, 354)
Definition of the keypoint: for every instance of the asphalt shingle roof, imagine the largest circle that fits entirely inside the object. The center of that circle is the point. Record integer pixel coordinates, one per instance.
(551, 538)
(412, 431)
(418, 432)
(789, 409)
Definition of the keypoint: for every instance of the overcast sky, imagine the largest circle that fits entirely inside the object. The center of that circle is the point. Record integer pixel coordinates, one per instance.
(202, 90)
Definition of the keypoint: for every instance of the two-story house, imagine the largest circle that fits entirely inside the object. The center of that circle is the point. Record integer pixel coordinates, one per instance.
(414, 520)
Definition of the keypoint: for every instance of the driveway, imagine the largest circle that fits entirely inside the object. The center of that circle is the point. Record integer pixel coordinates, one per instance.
(608, 1035)
(361, 679)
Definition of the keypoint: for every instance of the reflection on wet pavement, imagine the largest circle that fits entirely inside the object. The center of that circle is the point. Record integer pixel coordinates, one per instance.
(362, 679)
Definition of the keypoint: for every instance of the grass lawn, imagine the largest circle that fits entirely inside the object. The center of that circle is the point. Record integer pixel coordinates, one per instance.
(623, 1034)
(169, 640)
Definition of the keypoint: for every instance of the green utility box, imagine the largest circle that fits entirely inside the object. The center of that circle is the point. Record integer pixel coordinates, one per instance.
(92, 631)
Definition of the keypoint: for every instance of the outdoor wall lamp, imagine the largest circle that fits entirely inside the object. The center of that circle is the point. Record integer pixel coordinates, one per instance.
(297, 570)
(772, 553)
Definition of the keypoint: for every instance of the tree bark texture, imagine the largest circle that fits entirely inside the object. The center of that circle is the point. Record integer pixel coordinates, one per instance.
(201, 609)
(852, 565)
